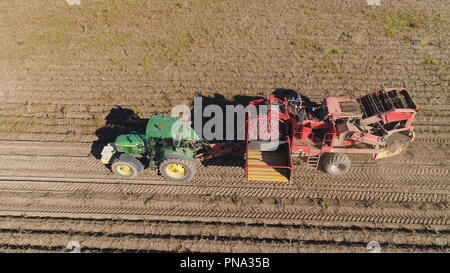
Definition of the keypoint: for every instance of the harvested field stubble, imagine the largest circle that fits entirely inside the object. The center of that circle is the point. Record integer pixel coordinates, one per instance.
(64, 68)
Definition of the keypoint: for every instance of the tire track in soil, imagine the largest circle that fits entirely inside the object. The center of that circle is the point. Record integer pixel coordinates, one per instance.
(49, 162)
(241, 67)
(307, 235)
(88, 129)
(129, 243)
(436, 196)
(54, 156)
(46, 206)
(304, 179)
(433, 177)
(25, 152)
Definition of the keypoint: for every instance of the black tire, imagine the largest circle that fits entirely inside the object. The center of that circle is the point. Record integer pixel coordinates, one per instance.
(189, 166)
(126, 166)
(336, 164)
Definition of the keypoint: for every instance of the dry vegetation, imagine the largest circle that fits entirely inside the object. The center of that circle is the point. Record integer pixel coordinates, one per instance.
(144, 54)
(62, 69)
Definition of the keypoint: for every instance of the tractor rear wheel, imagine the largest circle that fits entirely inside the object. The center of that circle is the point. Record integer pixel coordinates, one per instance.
(336, 164)
(127, 166)
(178, 169)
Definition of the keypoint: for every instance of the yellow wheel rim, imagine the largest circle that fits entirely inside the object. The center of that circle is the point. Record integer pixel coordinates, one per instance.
(123, 170)
(176, 171)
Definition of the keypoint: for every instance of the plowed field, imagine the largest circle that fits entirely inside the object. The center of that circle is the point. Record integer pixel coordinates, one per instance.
(65, 69)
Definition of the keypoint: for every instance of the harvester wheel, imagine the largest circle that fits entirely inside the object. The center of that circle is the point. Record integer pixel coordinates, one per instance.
(178, 169)
(336, 164)
(127, 166)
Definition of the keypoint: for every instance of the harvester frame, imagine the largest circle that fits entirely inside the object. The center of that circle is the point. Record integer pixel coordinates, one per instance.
(334, 129)
(277, 131)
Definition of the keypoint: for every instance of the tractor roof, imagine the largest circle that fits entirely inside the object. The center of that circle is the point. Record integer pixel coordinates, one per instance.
(161, 126)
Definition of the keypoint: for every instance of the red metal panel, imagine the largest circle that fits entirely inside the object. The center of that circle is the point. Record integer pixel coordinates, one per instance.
(396, 116)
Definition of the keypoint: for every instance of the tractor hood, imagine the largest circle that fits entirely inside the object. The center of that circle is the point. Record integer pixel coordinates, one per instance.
(131, 144)
(130, 140)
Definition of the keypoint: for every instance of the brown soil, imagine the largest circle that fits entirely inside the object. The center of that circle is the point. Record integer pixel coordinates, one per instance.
(63, 69)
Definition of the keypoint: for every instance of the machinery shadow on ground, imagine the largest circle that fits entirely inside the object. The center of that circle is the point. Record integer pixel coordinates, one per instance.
(123, 121)
(227, 130)
(119, 121)
(222, 102)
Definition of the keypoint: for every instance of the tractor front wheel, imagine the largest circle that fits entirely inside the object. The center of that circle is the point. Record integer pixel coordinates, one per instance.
(127, 166)
(178, 169)
(336, 164)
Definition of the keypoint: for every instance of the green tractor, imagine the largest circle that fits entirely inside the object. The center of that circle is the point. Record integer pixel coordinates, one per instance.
(167, 144)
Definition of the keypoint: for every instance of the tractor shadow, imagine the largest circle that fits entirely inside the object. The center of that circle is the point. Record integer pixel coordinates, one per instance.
(228, 131)
(119, 121)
